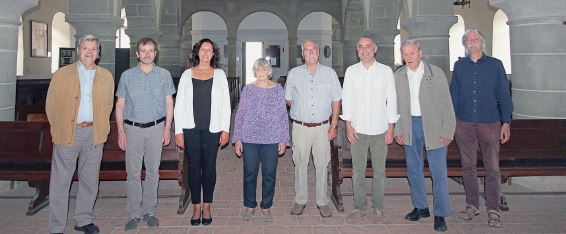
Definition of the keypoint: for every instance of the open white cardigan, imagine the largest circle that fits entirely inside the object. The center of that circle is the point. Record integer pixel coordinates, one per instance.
(219, 108)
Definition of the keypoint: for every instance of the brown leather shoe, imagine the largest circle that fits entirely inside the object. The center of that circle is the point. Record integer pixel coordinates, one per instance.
(298, 209)
(325, 211)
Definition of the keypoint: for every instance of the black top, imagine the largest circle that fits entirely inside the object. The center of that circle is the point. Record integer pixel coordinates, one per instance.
(202, 90)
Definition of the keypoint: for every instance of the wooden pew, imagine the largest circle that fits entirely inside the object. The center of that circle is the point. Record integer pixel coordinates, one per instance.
(536, 148)
(25, 155)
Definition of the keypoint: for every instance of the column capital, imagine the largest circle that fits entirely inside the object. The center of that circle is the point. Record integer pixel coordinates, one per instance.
(429, 26)
(525, 11)
(137, 33)
(102, 26)
(383, 36)
(12, 10)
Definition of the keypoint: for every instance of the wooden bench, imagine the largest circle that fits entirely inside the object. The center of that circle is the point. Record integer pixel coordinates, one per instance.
(25, 155)
(536, 148)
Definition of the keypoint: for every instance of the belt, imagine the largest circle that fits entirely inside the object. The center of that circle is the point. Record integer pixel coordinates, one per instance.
(145, 125)
(310, 125)
(85, 124)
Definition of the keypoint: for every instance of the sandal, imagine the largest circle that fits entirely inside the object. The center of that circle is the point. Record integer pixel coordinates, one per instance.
(248, 214)
(469, 213)
(494, 219)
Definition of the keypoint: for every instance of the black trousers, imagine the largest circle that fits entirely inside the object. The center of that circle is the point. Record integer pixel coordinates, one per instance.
(201, 148)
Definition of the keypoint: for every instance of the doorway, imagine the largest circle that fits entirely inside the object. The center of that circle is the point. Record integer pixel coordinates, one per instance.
(252, 50)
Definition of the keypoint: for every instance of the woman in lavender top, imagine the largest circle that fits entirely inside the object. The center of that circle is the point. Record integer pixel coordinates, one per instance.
(261, 133)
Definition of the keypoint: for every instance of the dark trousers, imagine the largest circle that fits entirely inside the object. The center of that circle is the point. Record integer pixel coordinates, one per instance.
(201, 148)
(267, 156)
(468, 136)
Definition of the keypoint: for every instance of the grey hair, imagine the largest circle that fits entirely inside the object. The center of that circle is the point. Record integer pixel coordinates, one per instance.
(309, 40)
(410, 42)
(482, 39)
(88, 37)
(262, 63)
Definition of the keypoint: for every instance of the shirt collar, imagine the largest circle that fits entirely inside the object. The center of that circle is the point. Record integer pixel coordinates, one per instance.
(139, 68)
(420, 69)
(81, 66)
(481, 60)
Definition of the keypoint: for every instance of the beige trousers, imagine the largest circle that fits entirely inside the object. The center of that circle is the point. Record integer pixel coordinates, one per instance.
(306, 139)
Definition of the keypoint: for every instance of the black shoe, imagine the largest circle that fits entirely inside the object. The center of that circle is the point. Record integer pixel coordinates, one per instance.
(195, 222)
(439, 224)
(206, 221)
(417, 214)
(88, 229)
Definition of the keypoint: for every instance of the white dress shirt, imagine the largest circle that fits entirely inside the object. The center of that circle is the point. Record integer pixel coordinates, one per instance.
(369, 100)
(415, 78)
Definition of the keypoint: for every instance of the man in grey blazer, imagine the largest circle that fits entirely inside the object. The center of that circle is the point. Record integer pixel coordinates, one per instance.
(426, 121)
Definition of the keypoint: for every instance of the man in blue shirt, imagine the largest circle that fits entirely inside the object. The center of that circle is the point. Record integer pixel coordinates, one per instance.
(483, 107)
(144, 112)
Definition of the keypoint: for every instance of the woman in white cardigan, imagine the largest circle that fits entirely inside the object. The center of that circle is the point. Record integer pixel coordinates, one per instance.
(202, 123)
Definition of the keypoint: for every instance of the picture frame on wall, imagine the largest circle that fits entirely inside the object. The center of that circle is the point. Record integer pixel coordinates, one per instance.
(39, 39)
(66, 56)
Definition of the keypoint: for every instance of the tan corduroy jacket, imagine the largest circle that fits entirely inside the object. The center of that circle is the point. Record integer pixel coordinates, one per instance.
(63, 99)
(436, 106)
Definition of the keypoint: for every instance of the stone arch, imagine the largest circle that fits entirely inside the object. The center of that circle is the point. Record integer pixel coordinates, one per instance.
(318, 26)
(501, 46)
(354, 27)
(271, 30)
(204, 24)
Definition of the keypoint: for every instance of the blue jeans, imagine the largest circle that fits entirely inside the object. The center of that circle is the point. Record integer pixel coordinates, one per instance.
(437, 165)
(267, 156)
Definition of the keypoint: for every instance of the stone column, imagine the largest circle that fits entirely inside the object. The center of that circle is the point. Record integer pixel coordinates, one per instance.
(337, 57)
(538, 53)
(383, 18)
(430, 26)
(292, 31)
(97, 18)
(537, 33)
(9, 24)
(337, 48)
(232, 54)
(141, 23)
(350, 52)
(385, 40)
(170, 55)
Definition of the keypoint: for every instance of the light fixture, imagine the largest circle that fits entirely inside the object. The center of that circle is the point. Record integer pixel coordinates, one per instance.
(463, 3)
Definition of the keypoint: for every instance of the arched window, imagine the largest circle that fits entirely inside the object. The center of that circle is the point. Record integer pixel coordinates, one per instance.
(61, 37)
(455, 43)
(397, 47)
(397, 51)
(122, 40)
(501, 48)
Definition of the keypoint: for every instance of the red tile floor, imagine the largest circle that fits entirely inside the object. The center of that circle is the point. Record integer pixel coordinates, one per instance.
(539, 213)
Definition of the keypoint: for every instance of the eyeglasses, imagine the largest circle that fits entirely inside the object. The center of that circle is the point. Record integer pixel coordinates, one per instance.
(474, 40)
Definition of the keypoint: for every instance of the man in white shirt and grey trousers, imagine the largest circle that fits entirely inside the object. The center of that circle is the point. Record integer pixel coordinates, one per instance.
(369, 104)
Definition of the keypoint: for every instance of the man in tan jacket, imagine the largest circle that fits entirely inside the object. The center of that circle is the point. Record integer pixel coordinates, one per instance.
(79, 102)
(426, 122)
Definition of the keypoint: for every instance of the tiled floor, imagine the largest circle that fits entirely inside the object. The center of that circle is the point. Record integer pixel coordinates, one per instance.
(541, 213)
